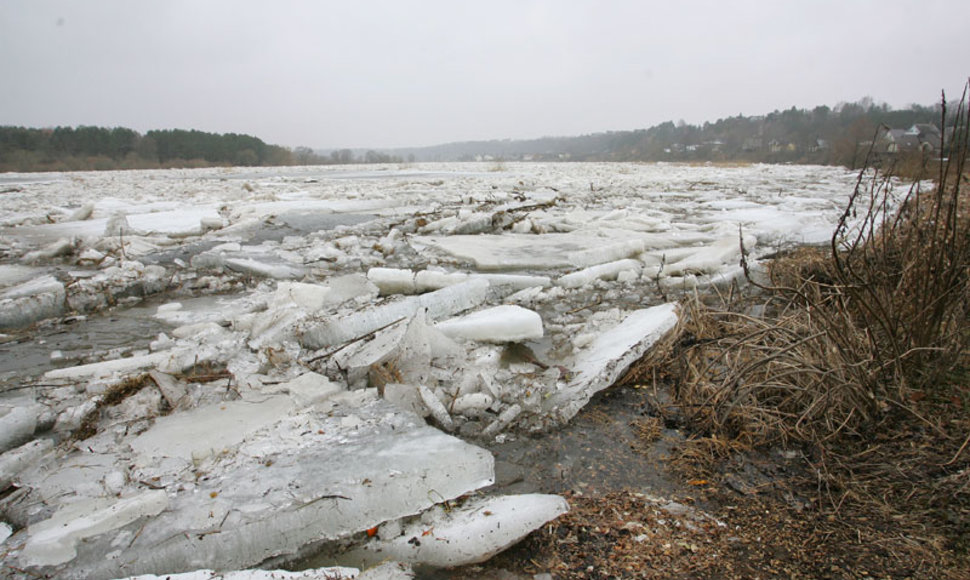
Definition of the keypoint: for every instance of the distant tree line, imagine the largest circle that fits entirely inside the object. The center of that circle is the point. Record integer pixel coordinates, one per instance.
(307, 156)
(83, 148)
(822, 135)
(99, 148)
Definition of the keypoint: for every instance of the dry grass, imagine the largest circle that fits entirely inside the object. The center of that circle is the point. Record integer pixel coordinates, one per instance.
(115, 394)
(857, 354)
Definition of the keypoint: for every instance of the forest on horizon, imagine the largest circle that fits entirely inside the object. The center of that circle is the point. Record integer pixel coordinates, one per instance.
(822, 135)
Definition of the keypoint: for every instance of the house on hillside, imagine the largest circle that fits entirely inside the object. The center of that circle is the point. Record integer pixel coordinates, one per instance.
(896, 140)
(924, 137)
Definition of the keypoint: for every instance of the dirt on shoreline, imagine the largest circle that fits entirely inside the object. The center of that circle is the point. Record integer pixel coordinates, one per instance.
(711, 510)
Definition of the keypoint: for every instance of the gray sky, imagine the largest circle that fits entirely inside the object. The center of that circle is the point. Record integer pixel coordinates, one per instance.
(367, 73)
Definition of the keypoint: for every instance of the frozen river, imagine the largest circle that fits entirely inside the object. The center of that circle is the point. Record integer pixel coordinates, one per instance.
(235, 368)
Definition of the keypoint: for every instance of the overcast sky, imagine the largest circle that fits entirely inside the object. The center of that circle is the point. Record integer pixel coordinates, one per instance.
(363, 73)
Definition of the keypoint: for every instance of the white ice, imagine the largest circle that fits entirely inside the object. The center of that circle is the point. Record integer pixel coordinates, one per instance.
(468, 534)
(256, 466)
(499, 324)
(610, 354)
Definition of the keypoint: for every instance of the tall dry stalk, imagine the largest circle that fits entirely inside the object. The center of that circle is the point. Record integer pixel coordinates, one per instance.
(855, 333)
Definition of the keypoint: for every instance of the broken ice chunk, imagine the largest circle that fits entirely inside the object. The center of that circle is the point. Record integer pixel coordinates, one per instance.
(440, 303)
(392, 280)
(82, 213)
(16, 460)
(472, 404)
(308, 296)
(607, 253)
(607, 271)
(207, 224)
(504, 419)
(436, 408)
(31, 301)
(330, 573)
(17, 424)
(609, 355)
(118, 226)
(257, 268)
(469, 534)
(712, 258)
(53, 541)
(61, 247)
(427, 280)
(196, 434)
(122, 366)
(405, 397)
(311, 388)
(517, 281)
(327, 483)
(499, 324)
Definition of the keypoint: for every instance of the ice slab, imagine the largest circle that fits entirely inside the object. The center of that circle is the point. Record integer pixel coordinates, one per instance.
(12, 274)
(307, 479)
(330, 573)
(176, 358)
(31, 302)
(536, 252)
(263, 269)
(182, 221)
(608, 271)
(61, 247)
(392, 280)
(397, 281)
(53, 541)
(313, 297)
(196, 434)
(438, 304)
(16, 460)
(712, 258)
(427, 280)
(468, 534)
(609, 355)
(18, 420)
(311, 388)
(499, 325)
(517, 281)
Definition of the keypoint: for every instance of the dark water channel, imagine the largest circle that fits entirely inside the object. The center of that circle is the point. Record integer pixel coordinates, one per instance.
(599, 451)
(26, 354)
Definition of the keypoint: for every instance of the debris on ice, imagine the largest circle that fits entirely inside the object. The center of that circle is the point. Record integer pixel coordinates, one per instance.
(329, 573)
(438, 304)
(467, 534)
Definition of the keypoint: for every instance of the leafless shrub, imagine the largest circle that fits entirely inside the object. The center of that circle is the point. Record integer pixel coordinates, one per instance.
(852, 334)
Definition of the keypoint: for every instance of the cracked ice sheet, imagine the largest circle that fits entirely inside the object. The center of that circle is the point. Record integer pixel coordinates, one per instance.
(306, 479)
(462, 535)
(332, 573)
(180, 221)
(537, 252)
(610, 354)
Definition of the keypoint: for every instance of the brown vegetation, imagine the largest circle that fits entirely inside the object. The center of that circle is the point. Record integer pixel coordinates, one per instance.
(860, 360)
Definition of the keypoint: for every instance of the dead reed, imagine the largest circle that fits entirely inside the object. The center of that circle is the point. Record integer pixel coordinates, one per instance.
(858, 352)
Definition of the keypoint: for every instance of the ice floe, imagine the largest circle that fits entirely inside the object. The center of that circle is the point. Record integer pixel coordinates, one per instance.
(331, 346)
